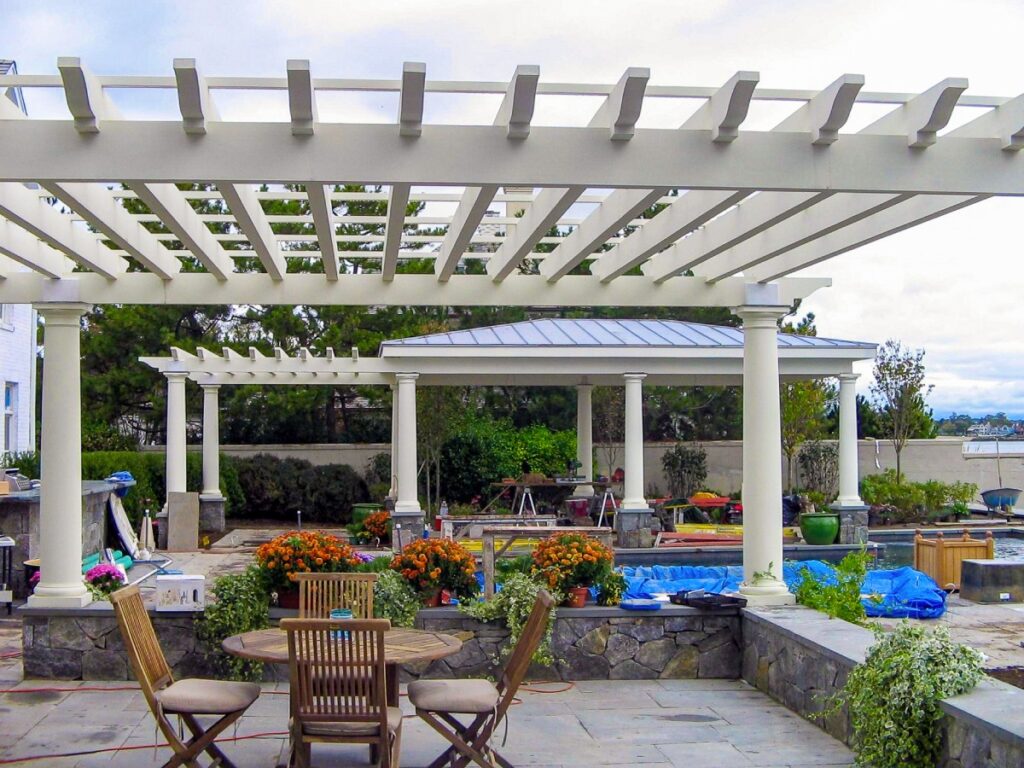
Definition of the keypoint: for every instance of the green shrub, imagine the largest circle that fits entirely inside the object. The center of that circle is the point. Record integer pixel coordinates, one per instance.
(841, 598)
(395, 599)
(686, 469)
(893, 697)
(914, 502)
(240, 604)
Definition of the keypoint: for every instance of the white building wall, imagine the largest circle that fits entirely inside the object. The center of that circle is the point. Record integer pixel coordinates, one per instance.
(17, 366)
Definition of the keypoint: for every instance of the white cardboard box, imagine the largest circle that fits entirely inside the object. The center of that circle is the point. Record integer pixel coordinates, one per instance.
(180, 592)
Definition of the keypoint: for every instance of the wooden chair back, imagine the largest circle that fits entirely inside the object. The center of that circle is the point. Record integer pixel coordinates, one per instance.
(140, 640)
(338, 677)
(320, 593)
(530, 639)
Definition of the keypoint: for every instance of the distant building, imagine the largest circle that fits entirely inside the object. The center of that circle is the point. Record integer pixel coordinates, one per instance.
(17, 348)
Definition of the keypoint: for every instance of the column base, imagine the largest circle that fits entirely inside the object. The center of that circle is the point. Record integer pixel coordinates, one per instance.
(211, 512)
(767, 593)
(59, 601)
(406, 526)
(633, 528)
(853, 522)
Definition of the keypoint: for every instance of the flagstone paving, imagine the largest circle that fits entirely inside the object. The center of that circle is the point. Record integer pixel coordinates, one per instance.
(655, 724)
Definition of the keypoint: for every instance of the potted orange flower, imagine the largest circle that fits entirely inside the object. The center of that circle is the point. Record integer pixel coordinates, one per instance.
(571, 563)
(301, 552)
(378, 525)
(433, 565)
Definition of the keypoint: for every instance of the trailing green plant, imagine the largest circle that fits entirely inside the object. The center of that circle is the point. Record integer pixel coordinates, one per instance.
(839, 597)
(610, 588)
(512, 604)
(893, 697)
(240, 604)
(686, 469)
(394, 598)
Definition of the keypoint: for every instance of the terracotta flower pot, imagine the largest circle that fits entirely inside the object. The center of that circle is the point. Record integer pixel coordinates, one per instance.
(432, 599)
(577, 597)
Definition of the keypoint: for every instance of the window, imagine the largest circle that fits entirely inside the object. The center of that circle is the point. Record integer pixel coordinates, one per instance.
(10, 416)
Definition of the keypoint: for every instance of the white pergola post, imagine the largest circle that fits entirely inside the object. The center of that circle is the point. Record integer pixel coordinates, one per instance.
(393, 488)
(211, 441)
(585, 439)
(407, 511)
(849, 480)
(60, 492)
(175, 448)
(633, 486)
(762, 452)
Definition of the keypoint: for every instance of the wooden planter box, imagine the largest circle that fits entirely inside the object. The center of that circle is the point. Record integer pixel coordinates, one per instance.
(941, 558)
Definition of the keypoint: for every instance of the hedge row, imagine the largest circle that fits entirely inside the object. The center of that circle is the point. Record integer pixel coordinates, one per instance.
(261, 487)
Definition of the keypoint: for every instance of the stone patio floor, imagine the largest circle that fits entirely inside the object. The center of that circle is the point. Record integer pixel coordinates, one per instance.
(688, 723)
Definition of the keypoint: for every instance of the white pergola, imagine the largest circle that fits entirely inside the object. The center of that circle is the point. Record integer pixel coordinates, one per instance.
(755, 207)
(551, 352)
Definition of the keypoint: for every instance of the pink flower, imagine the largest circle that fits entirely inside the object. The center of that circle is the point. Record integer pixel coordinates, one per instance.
(103, 572)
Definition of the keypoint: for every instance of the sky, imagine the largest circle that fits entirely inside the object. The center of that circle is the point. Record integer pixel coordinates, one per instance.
(952, 287)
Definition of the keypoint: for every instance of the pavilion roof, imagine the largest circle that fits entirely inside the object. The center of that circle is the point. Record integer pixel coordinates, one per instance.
(609, 333)
(737, 204)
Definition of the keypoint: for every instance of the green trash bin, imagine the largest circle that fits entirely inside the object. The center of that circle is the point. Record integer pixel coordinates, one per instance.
(361, 511)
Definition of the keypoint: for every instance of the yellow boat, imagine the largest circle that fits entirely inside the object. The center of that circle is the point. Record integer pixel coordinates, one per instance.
(729, 530)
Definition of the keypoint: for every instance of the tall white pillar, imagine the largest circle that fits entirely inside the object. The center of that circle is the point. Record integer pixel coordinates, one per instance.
(585, 439)
(633, 486)
(393, 488)
(408, 500)
(849, 480)
(211, 441)
(60, 492)
(175, 456)
(762, 457)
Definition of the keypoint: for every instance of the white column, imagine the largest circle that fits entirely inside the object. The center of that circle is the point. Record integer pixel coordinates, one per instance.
(60, 492)
(633, 487)
(585, 439)
(408, 502)
(393, 488)
(762, 457)
(849, 481)
(175, 456)
(211, 441)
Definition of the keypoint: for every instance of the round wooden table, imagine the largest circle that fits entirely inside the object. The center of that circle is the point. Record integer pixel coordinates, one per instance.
(401, 646)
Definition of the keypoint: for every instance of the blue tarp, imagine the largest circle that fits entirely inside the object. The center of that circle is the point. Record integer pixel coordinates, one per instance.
(898, 593)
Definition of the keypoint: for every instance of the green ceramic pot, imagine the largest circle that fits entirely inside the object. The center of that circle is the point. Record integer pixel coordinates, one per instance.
(819, 527)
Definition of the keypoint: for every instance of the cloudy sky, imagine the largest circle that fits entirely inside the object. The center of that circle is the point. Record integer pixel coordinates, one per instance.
(952, 287)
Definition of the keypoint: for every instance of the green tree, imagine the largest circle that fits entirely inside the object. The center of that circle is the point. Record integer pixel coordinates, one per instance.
(899, 391)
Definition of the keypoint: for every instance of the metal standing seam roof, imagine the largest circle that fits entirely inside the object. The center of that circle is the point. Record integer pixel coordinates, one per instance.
(568, 332)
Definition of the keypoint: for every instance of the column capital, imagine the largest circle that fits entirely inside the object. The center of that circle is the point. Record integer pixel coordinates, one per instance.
(760, 315)
(634, 376)
(399, 377)
(848, 376)
(62, 312)
(584, 386)
(213, 387)
(176, 375)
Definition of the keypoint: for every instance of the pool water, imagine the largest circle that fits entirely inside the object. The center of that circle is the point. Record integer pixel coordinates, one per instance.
(899, 554)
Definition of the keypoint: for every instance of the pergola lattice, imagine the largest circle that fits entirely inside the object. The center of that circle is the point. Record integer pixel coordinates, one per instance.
(744, 212)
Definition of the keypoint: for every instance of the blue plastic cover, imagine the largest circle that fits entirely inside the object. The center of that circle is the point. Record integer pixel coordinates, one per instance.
(899, 593)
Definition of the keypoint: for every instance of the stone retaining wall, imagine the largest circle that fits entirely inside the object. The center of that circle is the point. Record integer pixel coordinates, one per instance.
(600, 644)
(802, 658)
(589, 644)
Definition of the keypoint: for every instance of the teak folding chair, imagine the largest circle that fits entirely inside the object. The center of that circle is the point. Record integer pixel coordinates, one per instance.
(187, 698)
(339, 689)
(320, 593)
(438, 701)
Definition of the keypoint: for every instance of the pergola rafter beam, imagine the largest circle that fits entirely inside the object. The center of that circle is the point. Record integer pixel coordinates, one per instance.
(194, 100)
(516, 110)
(172, 208)
(546, 209)
(83, 93)
(398, 201)
(99, 207)
(323, 222)
(248, 212)
(825, 114)
(27, 209)
(17, 244)
(727, 108)
(921, 118)
(301, 98)
(410, 100)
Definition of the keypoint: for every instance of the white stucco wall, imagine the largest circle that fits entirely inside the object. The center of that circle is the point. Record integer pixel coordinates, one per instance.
(17, 365)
